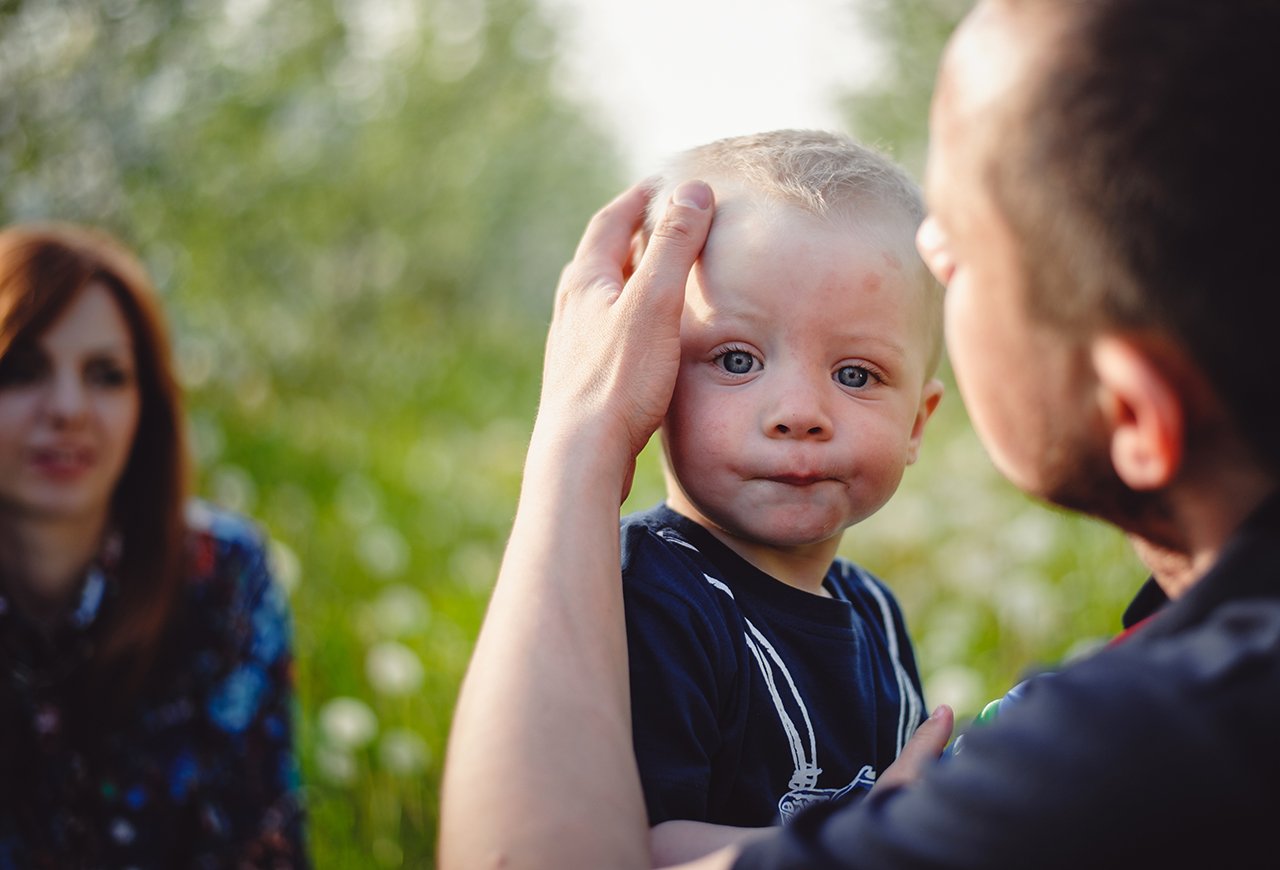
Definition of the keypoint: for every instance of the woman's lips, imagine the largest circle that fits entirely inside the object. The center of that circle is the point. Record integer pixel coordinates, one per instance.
(62, 462)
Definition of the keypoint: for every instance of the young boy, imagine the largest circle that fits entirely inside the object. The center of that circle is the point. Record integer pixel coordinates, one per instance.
(767, 674)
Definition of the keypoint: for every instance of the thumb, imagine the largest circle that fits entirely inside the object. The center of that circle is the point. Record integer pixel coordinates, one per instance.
(921, 751)
(675, 243)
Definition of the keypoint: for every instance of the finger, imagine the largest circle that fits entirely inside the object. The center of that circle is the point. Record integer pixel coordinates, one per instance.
(606, 243)
(932, 735)
(922, 750)
(633, 258)
(676, 241)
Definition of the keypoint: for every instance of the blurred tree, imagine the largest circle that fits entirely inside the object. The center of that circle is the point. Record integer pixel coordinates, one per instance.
(893, 108)
(355, 209)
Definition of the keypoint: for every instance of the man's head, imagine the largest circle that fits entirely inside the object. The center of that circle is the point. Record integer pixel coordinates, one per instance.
(808, 343)
(1100, 182)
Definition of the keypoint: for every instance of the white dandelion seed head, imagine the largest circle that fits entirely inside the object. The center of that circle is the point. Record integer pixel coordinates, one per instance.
(337, 766)
(383, 551)
(393, 669)
(399, 610)
(285, 565)
(348, 723)
(403, 752)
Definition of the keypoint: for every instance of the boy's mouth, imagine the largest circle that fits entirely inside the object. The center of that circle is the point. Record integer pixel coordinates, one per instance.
(798, 479)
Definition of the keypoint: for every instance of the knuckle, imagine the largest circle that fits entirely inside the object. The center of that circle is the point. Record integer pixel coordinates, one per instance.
(675, 228)
(605, 214)
(568, 279)
(567, 274)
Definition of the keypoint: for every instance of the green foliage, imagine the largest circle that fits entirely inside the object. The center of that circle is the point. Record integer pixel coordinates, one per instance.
(892, 111)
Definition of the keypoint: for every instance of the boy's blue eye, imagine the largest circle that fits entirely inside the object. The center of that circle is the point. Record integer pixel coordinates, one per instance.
(853, 376)
(737, 362)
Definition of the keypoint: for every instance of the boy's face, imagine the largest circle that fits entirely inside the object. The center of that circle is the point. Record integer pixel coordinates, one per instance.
(803, 389)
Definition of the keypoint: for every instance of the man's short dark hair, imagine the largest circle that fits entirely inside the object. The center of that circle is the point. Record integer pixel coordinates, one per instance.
(1142, 178)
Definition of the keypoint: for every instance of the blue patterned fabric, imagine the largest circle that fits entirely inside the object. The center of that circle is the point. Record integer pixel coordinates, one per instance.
(200, 770)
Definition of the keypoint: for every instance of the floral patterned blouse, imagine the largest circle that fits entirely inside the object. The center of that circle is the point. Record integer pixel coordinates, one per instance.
(200, 771)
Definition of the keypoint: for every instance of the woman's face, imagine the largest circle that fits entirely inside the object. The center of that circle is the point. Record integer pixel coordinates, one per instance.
(69, 408)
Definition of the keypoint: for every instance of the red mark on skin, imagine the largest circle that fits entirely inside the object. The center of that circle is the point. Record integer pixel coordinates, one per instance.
(891, 261)
(871, 283)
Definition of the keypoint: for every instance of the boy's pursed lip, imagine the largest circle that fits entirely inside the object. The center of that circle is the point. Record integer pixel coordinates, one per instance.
(797, 479)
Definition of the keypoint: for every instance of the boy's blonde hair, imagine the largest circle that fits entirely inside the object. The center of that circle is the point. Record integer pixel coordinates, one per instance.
(819, 172)
(825, 174)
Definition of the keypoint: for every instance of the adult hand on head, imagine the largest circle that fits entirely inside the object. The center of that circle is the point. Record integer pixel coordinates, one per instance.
(613, 348)
(541, 770)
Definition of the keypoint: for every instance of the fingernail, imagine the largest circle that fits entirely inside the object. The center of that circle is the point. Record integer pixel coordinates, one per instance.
(693, 194)
(937, 711)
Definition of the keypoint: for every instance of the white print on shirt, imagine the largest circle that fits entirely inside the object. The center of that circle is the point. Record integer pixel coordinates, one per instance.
(911, 706)
(798, 798)
(803, 788)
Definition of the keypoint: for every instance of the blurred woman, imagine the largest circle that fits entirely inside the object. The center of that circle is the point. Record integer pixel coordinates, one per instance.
(145, 653)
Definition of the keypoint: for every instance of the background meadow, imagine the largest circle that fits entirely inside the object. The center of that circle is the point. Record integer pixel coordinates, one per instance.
(356, 213)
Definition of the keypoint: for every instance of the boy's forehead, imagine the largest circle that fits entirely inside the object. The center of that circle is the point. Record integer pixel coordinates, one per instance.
(867, 241)
(746, 217)
(741, 209)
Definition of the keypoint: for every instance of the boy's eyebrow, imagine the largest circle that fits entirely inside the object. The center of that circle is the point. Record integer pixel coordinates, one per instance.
(886, 345)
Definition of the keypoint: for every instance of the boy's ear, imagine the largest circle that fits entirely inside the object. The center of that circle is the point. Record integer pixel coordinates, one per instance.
(1145, 415)
(930, 396)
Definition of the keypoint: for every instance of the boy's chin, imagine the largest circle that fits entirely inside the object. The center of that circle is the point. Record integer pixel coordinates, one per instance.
(789, 531)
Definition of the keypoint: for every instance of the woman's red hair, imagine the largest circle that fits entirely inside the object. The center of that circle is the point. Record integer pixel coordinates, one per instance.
(43, 267)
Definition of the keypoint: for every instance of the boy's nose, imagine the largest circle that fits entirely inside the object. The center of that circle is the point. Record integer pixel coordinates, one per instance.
(798, 413)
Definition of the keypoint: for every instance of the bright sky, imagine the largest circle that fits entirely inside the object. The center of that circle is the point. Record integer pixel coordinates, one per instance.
(670, 74)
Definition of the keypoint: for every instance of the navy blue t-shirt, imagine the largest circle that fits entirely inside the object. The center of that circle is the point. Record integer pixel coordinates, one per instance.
(752, 699)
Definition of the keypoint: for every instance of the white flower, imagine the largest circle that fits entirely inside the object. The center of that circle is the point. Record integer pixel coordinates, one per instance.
(399, 610)
(338, 766)
(233, 488)
(393, 668)
(383, 551)
(403, 752)
(348, 723)
(285, 565)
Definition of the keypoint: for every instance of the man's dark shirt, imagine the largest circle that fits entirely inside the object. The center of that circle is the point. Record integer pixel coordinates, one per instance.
(1161, 751)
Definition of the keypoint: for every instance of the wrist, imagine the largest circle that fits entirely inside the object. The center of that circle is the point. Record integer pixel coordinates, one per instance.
(578, 462)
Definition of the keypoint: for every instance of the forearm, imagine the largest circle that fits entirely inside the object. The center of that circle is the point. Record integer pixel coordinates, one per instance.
(678, 840)
(541, 771)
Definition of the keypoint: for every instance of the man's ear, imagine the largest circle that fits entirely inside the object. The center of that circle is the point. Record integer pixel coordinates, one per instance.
(1144, 413)
(930, 396)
